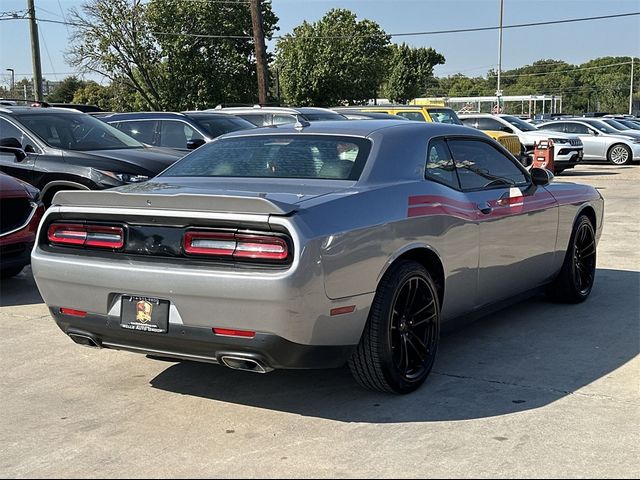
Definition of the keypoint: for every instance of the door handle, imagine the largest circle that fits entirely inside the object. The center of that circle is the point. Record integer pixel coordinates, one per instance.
(485, 208)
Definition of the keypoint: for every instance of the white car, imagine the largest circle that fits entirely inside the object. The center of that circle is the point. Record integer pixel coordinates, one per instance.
(569, 149)
(601, 141)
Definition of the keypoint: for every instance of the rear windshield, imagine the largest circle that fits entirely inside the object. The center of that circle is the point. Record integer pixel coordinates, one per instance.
(277, 156)
(444, 115)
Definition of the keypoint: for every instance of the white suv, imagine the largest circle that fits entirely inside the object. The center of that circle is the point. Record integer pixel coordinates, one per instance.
(568, 148)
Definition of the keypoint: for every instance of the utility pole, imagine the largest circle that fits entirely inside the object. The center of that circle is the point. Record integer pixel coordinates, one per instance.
(498, 91)
(631, 88)
(13, 80)
(261, 51)
(35, 51)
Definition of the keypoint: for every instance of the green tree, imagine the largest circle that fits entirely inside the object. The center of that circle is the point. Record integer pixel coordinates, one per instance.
(161, 50)
(64, 92)
(409, 73)
(337, 59)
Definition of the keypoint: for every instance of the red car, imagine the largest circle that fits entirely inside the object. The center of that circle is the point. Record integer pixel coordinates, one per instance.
(20, 214)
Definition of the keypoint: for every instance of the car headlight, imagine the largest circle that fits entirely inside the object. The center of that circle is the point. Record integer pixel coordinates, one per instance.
(126, 177)
(560, 140)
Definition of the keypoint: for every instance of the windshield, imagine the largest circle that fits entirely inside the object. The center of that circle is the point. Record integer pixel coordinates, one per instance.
(603, 127)
(520, 124)
(630, 124)
(615, 124)
(217, 125)
(319, 117)
(444, 115)
(76, 131)
(277, 156)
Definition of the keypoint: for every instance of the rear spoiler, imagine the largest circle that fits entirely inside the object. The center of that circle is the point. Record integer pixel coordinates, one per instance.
(181, 201)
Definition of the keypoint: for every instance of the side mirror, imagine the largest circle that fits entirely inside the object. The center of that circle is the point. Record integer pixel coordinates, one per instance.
(195, 143)
(541, 176)
(13, 145)
(507, 129)
(593, 132)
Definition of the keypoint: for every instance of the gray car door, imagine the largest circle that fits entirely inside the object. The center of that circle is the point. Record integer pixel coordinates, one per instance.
(594, 145)
(518, 221)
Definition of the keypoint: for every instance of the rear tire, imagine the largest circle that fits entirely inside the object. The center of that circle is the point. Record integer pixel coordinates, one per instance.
(619, 154)
(576, 278)
(400, 340)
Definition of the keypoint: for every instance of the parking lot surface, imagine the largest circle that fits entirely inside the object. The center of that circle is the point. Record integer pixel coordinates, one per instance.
(537, 389)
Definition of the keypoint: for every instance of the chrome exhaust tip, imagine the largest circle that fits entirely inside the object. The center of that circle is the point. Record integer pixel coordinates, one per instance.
(244, 363)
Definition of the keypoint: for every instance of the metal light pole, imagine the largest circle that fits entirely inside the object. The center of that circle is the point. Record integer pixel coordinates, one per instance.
(13, 80)
(498, 91)
(631, 89)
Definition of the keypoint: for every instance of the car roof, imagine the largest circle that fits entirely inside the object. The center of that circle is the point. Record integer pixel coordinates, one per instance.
(258, 108)
(35, 110)
(358, 128)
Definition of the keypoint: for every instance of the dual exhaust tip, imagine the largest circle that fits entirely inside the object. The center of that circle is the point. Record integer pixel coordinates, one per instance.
(235, 362)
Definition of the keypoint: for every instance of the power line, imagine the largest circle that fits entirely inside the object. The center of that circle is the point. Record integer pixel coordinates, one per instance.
(336, 37)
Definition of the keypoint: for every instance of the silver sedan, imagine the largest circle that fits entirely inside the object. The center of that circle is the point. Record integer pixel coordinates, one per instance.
(601, 141)
(313, 245)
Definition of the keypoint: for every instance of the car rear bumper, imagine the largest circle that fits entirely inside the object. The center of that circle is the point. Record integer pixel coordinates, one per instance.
(264, 351)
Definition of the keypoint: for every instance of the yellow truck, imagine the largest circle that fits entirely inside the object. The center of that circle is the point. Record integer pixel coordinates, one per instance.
(441, 114)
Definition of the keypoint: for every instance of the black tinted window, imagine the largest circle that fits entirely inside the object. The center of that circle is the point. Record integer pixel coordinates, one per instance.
(176, 134)
(480, 165)
(440, 166)
(416, 116)
(554, 127)
(277, 156)
(489, 124)
(141, 130)
(576, 128)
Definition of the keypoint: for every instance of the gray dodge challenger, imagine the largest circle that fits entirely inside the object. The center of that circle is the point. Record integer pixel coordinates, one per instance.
(315, 245)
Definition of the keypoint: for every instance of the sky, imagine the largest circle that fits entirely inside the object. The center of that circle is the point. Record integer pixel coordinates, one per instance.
(472, 54)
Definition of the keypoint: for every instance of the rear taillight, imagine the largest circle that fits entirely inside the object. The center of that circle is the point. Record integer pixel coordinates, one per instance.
(77, 234)
(236, 245)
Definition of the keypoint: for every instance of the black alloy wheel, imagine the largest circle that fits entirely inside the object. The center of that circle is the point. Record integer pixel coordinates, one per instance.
(413, 332)
(400, 340)
(576, 278)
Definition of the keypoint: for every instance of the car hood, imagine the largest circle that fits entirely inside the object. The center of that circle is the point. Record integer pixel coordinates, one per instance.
(140, 161)
(13, 188)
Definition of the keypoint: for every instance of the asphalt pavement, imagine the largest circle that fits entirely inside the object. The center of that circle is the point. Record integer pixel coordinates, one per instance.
(535, 390)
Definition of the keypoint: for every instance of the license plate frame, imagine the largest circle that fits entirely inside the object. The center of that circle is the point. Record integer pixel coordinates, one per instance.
(144, 314)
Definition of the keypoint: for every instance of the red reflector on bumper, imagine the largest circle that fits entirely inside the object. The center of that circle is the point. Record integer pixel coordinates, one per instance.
(73, 313)
(225, 332)
(342, 310)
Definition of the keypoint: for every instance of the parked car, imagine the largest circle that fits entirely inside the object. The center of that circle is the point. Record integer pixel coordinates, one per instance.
(180, 131)
(439, 114)
(57, 149)
(81, 107)
(622, 127)
(569, 148)
(312, 246)
(601, 142)
(266, 116)
(20, 214)
(353, 114)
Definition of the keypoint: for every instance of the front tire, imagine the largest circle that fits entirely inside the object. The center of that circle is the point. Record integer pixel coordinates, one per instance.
(400, 340)
(576, 278)
(619, 154)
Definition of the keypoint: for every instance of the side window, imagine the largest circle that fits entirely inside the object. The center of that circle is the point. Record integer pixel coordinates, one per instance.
(489, 124)
(440, 166)
(280, 119)
(576, 128)
(554, 127)
(175, 134)
(141, 130)
(470, 122)
(8, 130)
(480, 165)
(417, 116)
(258, 119)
